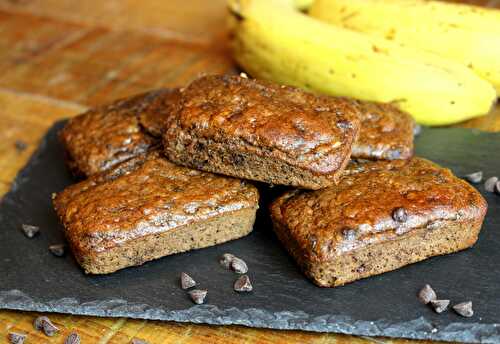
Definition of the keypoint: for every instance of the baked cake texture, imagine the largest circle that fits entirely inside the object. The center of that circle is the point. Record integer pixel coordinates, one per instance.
(256, 130)
(381, 216)
(385, 133)
(146, 208)
(102, 137)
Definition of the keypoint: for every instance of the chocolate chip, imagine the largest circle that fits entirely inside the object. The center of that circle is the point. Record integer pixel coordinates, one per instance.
(394, 154)
(44, 324)
(464, 309)
(20, 145)
(349, 234)
(342, 124)
(225, 260)
(58, 250)
(400, 215)
(199, 146)
(417, 129)
(239, 266)
(323, 108)
(497, 188)
(475, 177)
(198, 296)
(187, 281)
(427, 294)
(439, 306)
(237, 159)
(177, 188)
(489, 184)
(73, 338)
(50, 329)
(38, 323)
(138, 341)
(29, 230)
(243, 284)
(16, 338)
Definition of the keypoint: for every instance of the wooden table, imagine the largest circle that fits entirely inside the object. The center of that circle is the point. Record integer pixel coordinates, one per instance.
(58, 57)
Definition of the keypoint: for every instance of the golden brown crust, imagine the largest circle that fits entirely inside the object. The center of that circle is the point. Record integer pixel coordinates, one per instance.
(358, 214)
(386, 132)
(277, 123)
(155, 108)
(146, 195)
(100, 138)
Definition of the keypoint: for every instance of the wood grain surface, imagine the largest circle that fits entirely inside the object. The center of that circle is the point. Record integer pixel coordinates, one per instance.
(58, 57)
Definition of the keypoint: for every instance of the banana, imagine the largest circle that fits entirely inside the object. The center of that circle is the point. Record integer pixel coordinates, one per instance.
(463, 33)
(303, 5)
(272, 40)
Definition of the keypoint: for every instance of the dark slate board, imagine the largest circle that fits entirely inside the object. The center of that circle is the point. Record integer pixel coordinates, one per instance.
(34, 280)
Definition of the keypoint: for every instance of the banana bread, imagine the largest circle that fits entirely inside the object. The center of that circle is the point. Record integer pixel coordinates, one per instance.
(386, 132)
(100, 138)
(381, 216)
(261, 131)
(146, 208)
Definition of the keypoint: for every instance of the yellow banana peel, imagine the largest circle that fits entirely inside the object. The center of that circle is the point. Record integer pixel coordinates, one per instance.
(466, 34)
(272, 40)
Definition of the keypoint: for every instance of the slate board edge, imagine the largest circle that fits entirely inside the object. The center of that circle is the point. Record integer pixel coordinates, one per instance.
(33, 160)
(211, 314)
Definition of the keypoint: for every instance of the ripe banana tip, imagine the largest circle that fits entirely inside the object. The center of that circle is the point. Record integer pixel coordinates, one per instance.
(234, 7)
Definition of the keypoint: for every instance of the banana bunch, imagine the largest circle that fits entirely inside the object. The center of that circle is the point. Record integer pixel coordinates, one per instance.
(273, 40)
(463, 33)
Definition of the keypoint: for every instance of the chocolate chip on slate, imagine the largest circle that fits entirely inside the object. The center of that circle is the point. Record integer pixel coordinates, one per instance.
(16, 338)
(225, 260)
(399, 214)
(29, 230)
(138, 341)
(475, 177)
(20, 145)
(243, 284)
(489, 184)
(187, 281)
(417, 129)
(439, 306)
(497, 188)
(427, 294)
(464, 309)
(73, 338)
(58, 250)
(198, 295)
(239, 266)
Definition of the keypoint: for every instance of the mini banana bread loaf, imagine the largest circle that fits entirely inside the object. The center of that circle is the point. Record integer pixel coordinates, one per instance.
(261, 131)
(146, 208)
(100, 138)
(381, 216)
(386, 132)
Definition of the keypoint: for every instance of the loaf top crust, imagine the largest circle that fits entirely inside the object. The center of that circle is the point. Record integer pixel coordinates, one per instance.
(282, 122)
(386, 132)
(153, 109)
(142, 196)
(102, 137)
(359, 210)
